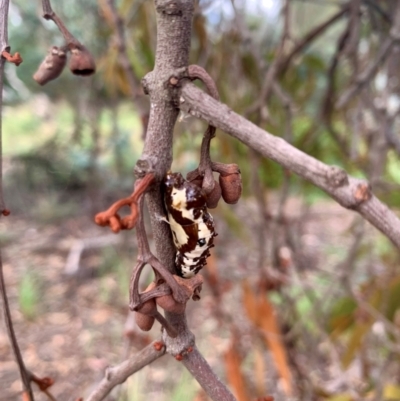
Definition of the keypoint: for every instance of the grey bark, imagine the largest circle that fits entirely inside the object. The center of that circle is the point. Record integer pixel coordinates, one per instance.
(174, 24)
(348, 191)
(118, 374)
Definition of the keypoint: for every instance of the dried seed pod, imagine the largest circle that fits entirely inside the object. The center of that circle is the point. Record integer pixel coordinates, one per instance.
(225, 169)
(81, 61)
(51, 67)
(213, 198)
(231, 187)
(168, 303)
(145, 315)
(145, 322)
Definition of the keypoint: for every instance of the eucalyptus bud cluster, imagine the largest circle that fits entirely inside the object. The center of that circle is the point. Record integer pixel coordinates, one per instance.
(228, 186)
(81, 62)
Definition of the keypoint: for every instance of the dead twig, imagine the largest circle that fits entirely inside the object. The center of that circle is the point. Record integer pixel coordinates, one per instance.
(12, 58)
(49, 14)
(25, 377)
(384, 50)
(111, 218)
(116, 375)
(122, 49)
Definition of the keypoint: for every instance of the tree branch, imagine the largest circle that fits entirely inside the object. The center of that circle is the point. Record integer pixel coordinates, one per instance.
(4, 47)
(199, 368)
(349, 192)
(4, 25)
(174, 24)
(115, 375)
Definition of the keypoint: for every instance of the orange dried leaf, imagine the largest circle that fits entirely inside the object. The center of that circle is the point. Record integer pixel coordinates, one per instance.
(234, 374)
(25, 396)
(201, 396)
(259, 372)
(273, 340)
(250, 303)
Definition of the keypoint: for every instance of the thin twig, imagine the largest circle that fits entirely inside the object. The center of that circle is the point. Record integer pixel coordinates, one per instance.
(348, 191)
(4, 25)
(116, 375)
(384, 50)
(4, 47)
(13, 339)
(49, 14)
(6, 308)
(312, 35)
(273, 69)
(197, 72)
(367, 75)
(201, 370)
(122, 49)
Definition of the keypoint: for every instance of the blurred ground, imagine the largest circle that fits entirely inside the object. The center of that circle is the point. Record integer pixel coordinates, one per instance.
(71, 327)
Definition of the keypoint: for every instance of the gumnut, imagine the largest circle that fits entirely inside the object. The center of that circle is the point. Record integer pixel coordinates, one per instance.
(168, 303)
(214, 196)
(231, 188)
(145, 315)
(81, 61)
(51, 67)
(230, 181)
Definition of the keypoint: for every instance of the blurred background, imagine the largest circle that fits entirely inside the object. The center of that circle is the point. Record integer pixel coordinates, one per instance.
(302, 297)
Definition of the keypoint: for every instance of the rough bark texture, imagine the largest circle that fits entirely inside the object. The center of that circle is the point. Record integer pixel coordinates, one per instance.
(349, 192)
(118, 374)
(174, 24)
(215, 389)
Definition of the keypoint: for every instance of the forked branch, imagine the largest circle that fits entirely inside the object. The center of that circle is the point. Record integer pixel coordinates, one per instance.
(116, 375)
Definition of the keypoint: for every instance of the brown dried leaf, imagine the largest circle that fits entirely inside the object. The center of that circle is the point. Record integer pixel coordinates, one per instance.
(250, 303)
(273, 340)
(234, 373)
(261, 313)
(259, 372)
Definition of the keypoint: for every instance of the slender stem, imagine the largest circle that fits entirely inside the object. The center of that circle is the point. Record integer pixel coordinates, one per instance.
(48, 13)
(121, 43)
(118, 374)
(11, 334)
(2, 203)
(197, 72)
(4, 46)
(6, 308)
(4, 25)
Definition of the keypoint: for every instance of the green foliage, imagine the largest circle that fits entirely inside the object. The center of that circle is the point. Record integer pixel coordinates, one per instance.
(341, 315)
(29, 295)
(185, 389)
